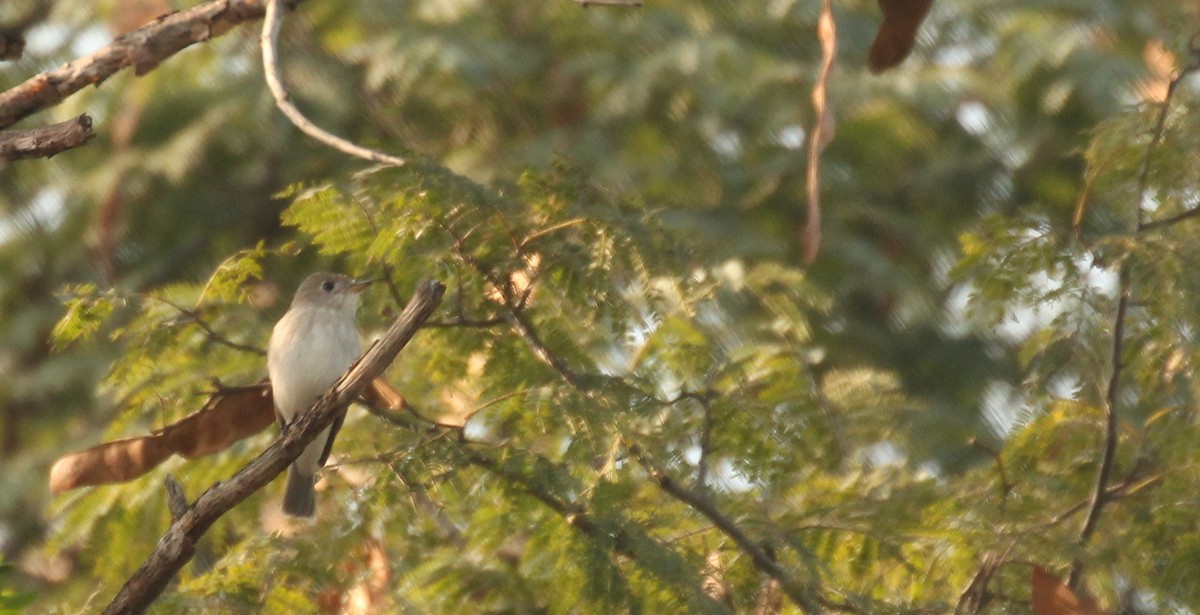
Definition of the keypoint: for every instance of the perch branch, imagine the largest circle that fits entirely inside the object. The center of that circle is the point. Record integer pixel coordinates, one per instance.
(177, 546)
(270, 40)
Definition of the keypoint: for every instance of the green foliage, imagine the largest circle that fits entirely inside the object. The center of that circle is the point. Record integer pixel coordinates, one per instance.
(86, 311)
(612, 198)
(12, 602)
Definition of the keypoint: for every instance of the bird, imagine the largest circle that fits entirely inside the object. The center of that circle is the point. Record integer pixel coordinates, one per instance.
(311, 346)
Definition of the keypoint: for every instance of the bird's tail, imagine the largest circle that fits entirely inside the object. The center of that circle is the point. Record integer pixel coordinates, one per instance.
(299, 497)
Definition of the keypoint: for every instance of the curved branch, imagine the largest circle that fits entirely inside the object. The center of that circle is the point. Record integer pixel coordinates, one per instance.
(142, 49)
(270, 38)
(178, 545)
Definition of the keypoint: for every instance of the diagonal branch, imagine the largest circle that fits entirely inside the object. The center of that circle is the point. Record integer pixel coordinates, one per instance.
(178, 545)
(45, 141)
(761, 558)
(193, 316)
(142, 49)
(620, 534)
(270, 43)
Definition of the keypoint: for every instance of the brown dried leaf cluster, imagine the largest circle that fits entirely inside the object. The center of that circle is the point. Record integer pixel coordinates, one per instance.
(1053, 597)
(228, 416)
(897, 33)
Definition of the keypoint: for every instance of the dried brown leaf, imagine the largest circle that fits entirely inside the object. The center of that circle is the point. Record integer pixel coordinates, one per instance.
(228, 416)
(897, 33)
(1052, 597)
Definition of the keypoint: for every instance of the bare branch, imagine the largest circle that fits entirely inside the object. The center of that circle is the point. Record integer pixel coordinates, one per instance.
(464, 323)
(177, 546)
(45, 141)
(270, 38)
(142, 49)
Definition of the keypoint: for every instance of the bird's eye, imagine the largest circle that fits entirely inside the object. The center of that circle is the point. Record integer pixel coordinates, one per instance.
(327, 286)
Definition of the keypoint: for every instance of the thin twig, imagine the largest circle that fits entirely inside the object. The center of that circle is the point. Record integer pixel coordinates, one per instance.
(193, 317)
(546, 231)
(464, 323)
(269, 39)
(421, 498)
(516, 316)
(387, 269)
(1171, 220)
(705, 444)
(1159, 129)
(832, 416)
(976, 596)
(1006, 486)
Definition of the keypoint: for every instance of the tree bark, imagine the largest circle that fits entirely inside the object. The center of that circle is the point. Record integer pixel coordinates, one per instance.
(45, 141)
(143, 49)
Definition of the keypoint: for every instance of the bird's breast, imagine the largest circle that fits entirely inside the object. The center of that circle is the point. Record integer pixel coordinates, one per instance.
(309, 351)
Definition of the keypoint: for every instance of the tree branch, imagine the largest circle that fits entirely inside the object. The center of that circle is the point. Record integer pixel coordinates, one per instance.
(758, 555)
(193, 316)
(270, 38)
(1159, 126)
(45, 141)
(1100, 495)
(705, 443)
(616, 534)
(142, 49)
(177, 546)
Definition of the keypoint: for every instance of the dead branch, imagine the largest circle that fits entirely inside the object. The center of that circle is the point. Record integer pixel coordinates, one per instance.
(144, 49)
(45, 141)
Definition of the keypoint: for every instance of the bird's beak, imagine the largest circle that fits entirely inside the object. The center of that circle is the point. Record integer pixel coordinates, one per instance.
(357, 286)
